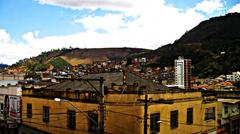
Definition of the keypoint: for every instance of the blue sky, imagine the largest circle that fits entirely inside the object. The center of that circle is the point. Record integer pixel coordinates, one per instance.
(28, 27)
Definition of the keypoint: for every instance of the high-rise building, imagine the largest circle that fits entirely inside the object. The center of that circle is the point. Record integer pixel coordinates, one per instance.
(183, 73)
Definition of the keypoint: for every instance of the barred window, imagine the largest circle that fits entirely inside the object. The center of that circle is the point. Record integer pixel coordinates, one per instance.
(190, 116)
(29, 110)
(92, 122)
(210, 113)
(45, 114)
(174, 119)
(71, 119)
(154, 123)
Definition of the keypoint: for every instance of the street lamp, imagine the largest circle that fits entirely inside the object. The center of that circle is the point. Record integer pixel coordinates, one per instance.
(58, 99)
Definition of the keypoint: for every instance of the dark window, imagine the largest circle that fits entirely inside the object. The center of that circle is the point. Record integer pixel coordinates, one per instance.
(92, 122)
(225, 109)
(154, 122)
(29, 110)
(71, 122)
(45, 114)
(210, 113)
(190, 116)
(1, 108)
(235, 126)
(174, 119)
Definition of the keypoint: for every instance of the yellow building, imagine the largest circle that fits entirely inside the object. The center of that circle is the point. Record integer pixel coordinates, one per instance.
(124, 111)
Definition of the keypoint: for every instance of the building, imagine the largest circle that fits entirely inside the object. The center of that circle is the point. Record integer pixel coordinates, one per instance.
(183, 73)
(124, 110)
(10, 108)
(235, 76)
(229, 116)
(17, 76)
(228, 110)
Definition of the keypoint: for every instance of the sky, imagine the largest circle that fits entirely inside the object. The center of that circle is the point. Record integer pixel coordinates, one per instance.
(29, 27)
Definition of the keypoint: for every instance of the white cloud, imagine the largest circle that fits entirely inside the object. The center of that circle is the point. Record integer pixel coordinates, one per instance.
(209, 6)
(108, 22)
(28, 37)
(154, 24)
(4, 36)
(92, 4)
(235, 8)
(11, 52)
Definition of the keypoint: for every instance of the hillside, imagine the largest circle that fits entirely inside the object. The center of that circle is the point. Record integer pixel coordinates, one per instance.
(213, 46)
(61, 58)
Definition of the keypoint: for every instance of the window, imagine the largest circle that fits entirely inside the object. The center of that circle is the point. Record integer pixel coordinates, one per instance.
(174, 119)
(1, 106)
(45, 114)
(71, 122)
(210, 113)
(92, 122)
(225, 109)
(29, 110)
(154, 123)
(190, 116)
(1, 109)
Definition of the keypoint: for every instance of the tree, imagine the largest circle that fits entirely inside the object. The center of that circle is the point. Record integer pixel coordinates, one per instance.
(41, 67)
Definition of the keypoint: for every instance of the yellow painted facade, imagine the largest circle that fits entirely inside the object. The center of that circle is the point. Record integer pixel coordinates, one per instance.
(123, 113)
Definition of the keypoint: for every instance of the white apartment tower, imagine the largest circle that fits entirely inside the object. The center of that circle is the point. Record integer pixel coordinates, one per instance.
(183, 73)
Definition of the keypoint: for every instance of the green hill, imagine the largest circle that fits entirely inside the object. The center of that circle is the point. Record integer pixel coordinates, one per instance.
(60, 63)
(67, 57)
(213, 46)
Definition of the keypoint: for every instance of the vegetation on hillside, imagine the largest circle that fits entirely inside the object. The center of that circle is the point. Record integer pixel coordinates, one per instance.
(59, 63)
(61, 58)
(213, 46)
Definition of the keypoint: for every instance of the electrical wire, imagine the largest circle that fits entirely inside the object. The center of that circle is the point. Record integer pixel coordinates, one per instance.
(124, 114)
(189, 124)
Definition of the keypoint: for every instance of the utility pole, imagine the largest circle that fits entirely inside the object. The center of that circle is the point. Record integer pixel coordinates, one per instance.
(100, 93)
(145, 113)
(101, 106)
(145, 125)
(146, 104)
